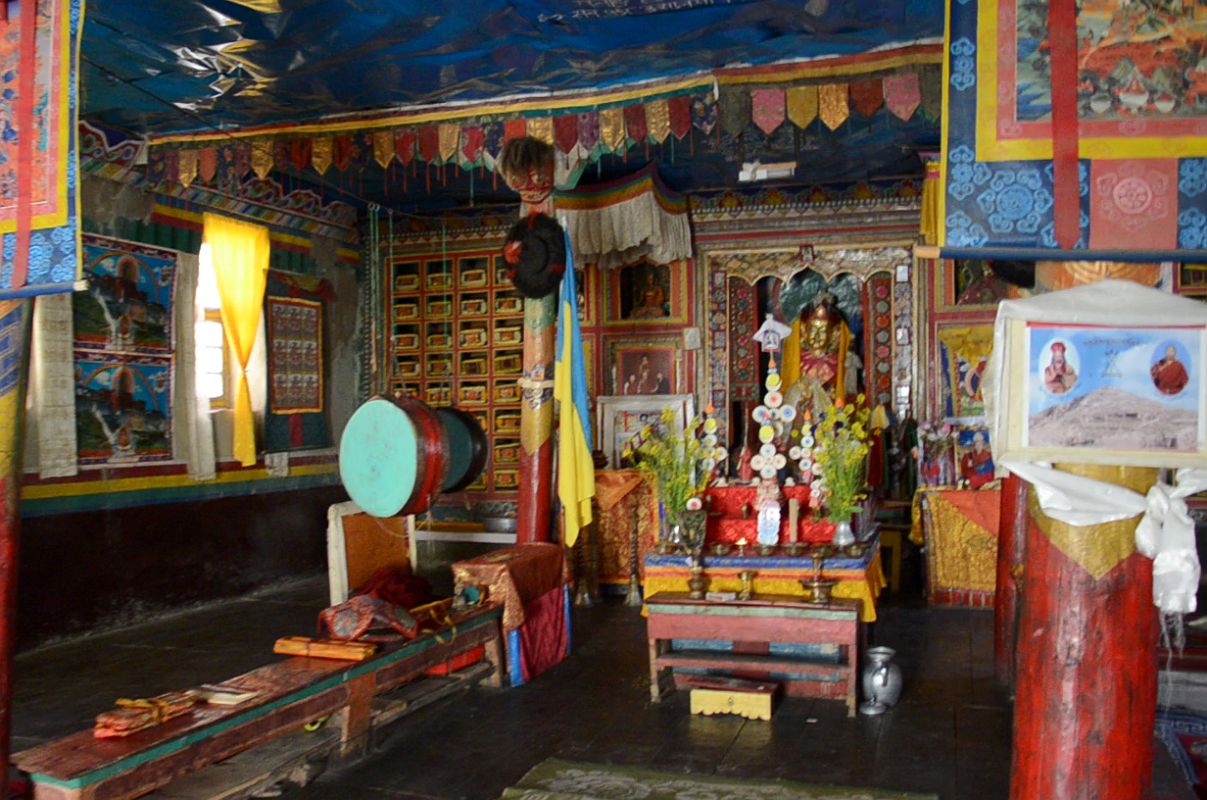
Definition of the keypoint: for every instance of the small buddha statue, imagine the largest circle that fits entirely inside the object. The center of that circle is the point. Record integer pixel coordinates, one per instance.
(822, 344)
(825, 353)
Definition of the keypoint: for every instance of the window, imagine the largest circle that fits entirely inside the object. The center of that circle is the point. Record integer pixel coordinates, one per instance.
(211, 338)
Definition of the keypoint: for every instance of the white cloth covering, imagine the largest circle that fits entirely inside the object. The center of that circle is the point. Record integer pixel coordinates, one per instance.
(50, 420)
(1165, 532)
(192, 427)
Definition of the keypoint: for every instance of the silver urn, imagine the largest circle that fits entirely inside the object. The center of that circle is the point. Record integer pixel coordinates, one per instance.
(881, 681)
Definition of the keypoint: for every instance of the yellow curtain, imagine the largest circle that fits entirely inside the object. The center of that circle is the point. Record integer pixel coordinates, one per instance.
(240, 254)
(931, 186)
(790, 368)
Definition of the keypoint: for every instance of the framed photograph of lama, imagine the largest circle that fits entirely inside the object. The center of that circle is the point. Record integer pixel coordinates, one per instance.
(620, 418)
(642, 366)
(1108, 395)
(646, 294)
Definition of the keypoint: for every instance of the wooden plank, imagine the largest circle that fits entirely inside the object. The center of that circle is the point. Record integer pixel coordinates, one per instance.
(777, 601)
(283, 758)
(707, 659)
(756, 629)
(316, 687)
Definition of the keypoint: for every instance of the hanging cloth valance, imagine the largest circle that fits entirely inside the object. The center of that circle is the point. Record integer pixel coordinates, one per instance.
(626, 220)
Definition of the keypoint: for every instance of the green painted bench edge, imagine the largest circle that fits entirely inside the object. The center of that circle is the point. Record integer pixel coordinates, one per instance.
(174, 745)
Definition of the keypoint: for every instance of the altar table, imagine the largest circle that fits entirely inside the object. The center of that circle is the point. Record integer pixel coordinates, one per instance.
(532, 583)
(859, 579)
(959, 528)
(811, 648)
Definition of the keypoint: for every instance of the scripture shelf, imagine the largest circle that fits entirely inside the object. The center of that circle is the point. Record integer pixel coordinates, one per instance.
(456, 338)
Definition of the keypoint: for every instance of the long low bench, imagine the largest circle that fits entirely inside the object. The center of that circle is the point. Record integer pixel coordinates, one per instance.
(82, 767)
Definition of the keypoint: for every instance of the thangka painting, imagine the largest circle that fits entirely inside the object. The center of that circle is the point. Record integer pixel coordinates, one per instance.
(964, 352)
(48, 208)
(126, 304)
(1131, 389)
(122, 408)
(1138, 128)
(295, 363)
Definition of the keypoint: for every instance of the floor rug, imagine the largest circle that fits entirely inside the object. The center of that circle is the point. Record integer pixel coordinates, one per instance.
(568, 780)
(1185, 735)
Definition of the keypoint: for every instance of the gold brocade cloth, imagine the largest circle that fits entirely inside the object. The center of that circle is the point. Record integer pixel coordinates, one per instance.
(864, 585)
(961, 533)
(515, 576)
(625, 500)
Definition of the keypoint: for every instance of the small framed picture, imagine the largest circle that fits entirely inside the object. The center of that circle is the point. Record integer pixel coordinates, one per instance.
(1105, 395)
(620, 418)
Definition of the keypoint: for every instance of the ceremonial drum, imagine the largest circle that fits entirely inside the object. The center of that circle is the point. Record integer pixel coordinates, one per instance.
(397, 454)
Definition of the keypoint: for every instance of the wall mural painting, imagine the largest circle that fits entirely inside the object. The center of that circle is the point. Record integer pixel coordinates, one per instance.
(122, 408)
(1193, 279)
(645, 369)
(127, 304)
(646, 293)
(976, 284)
(295, 363)
(1137, 60)
(964, 352)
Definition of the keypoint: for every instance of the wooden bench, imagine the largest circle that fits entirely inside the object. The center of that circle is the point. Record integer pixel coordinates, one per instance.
(763, 638)
(82, 767)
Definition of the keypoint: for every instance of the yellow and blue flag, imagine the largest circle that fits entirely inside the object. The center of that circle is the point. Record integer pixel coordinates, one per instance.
(575, 468)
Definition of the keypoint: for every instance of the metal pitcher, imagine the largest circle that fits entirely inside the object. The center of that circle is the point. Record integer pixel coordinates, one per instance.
(881, 681)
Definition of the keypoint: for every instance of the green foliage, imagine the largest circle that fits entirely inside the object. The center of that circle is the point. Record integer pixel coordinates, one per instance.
(674, 461)
(842, 451)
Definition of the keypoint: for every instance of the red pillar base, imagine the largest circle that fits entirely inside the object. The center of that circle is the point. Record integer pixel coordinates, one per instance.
(1087, 677)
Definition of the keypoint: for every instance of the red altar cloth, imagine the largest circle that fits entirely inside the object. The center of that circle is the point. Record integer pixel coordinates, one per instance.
(726, 523)
(528, 579)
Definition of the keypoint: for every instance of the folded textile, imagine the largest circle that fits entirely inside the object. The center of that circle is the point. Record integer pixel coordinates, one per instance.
(139, 714)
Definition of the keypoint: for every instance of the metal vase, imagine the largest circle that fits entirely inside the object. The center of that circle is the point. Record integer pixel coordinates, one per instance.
(881, 681)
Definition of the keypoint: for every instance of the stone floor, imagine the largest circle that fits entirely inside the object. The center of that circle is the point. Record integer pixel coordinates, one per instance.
(950, 735)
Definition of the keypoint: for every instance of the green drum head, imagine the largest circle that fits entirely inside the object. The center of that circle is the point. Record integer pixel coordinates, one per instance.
(377, 457)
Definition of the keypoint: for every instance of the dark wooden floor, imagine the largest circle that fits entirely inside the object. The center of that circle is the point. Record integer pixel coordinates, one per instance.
(950, 735)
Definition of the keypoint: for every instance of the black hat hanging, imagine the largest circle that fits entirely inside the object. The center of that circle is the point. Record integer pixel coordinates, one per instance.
(535, 253)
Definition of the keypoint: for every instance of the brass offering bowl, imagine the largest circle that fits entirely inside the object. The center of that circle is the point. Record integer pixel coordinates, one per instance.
(767, 549)
(819, 589)
(720, 548)
(666, 547)
(856, 550)
(796, 549)
(821, 552)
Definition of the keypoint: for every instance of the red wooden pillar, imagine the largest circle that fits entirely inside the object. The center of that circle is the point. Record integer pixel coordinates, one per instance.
(1087, 674)
(534, 520)
(14, 326)
(1012, 530)
(534, 503)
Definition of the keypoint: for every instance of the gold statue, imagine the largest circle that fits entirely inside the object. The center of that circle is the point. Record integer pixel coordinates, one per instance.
(827, 362)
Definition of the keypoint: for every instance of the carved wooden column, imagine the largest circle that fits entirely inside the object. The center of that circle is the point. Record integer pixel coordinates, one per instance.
(527, 166)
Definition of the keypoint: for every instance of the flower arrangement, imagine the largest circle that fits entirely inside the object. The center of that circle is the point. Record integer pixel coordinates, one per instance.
(675, 461)
(841, 452)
